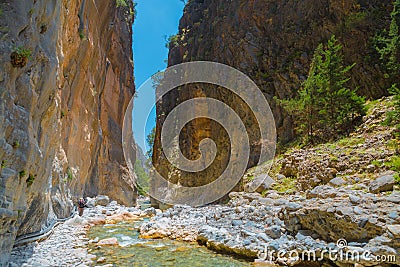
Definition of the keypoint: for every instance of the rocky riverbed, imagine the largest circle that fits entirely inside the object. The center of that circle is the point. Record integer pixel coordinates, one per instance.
(68, 244)
(342, 221)
(326, 226)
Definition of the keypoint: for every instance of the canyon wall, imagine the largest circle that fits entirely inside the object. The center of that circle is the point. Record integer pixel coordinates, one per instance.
(66, 78)
(273, 43)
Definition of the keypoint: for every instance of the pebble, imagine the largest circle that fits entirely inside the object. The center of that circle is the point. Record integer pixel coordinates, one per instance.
(101, 260)
(393, 215)
(354, 199)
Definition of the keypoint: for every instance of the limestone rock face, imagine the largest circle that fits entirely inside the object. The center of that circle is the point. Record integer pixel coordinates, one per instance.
(273, 43)
(66, 77)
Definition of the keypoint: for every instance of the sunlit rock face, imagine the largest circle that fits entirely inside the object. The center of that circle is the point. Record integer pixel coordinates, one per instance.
(273, 43)
(61, 109)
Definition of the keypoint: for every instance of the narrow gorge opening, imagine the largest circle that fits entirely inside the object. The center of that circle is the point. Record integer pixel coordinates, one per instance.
(303, 96)
(155, 22)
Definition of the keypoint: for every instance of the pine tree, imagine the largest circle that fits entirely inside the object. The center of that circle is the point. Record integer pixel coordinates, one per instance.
(388, 45)
(389, 48)
(305, 107)
(340, 104)
(325, 107)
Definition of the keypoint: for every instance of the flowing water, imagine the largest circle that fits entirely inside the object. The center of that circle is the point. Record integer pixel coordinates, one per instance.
(135, 251)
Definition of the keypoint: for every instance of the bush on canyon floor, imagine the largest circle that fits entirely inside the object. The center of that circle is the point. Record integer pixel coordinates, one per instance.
(287, 185)
(325, 107)
(393, 117)
(394, 164)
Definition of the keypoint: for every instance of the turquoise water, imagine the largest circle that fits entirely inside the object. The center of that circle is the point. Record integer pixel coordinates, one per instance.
(134, 251)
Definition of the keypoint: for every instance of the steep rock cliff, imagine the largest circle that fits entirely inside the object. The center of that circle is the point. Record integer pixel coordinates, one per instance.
(61, 109)
(272, 42)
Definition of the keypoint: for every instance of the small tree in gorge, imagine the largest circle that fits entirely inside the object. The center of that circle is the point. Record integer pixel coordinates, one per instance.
(325, 107)
(388, 45)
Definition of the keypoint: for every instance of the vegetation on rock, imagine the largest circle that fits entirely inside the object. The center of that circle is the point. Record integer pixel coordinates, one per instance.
(29, 181)
(19, 57)
(70, 175)
(22, 173)
(172, 41)
(15, 144)
(393, 117)
(122, 3)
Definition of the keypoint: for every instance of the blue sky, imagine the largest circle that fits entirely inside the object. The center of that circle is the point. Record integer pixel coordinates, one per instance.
(155, 20)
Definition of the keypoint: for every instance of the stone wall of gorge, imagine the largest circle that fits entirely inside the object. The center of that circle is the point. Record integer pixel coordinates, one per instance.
(272, 42)
(61, 109)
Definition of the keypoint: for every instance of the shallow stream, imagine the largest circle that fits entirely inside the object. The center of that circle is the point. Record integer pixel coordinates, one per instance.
(135, 251)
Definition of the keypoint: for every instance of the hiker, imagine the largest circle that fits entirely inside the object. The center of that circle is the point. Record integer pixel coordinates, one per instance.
(81, 205)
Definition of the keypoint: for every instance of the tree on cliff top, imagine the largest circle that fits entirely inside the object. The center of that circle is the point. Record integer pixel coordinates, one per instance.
(325, 107)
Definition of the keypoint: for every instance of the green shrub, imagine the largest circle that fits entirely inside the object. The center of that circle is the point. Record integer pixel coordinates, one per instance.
(3, 164)
(82, 35)
(350, 141)
(31, 11)
(22, 51)
(133, 12)
(122, 3)
(387, 44)
(377, 163)
(393, 117)
(15, 144)
(70, 175)
(287, 185)
(172, 41)
(325, 107)
(19, 56)
(22, 173)
(394, 163)
(397, 178)
(29, 180)
(354, 19)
